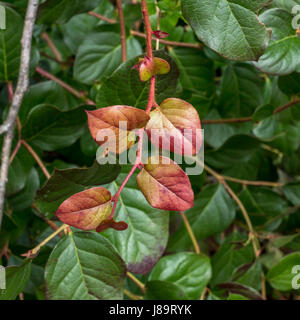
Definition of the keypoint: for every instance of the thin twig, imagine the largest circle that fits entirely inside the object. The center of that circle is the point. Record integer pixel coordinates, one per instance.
(252, 235)
(190, 232)
(254, 183)
(131, 295)
(101, 17)
(122, 30)
(157, 23)
(23, 81)
(36, 158)
(76, 93)
(52, 47)
(169, 42)
(137, 282)
(263, 286)
(248, 119)
(147, 28)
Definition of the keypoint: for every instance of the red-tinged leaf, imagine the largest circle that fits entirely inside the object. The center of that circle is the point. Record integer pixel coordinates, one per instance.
(161, 66)
(112, 126)
(111, 223)
(165, 185)
(87, 209)
(175, 126)
(150, 67)
(160, 34)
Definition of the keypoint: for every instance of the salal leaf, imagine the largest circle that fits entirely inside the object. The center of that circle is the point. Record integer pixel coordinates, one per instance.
(60, 11)
(86, 209)
(290, 84)
(241, 91)
(100, 54)
(84, 266)
(282, 55)
(124, 87)
(64, 183)
(212, 213)
(292, 193)
(189, 271)
(49, 128)
(144, 241)
(76, 29)
(112, 126)
(150, 67)
(162, 290)
(231, 28)
(165, 185)
(288, 5)
(47, 92)
(10, 46)
(175, 126)
(233, 253)
(196, 71)
(16, 280)
(283, 276)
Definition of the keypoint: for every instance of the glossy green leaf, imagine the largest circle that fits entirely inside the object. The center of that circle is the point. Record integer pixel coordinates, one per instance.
(230, 28)
(292, 193)
(231, 255)
(290, 84)
(16, 279)
(100, 54)
(64, 183)
(125, 88)
(212, 213)
(241, 91)
(145, 239)
(84, 266)
(283, 276)
(50, 129)
(282, 55)
(189, 271)
(60, 11)
(159, 290)
(263, 112)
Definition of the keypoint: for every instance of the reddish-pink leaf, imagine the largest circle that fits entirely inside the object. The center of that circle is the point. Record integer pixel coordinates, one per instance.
(111, 223)
(87, 209)
(175, 126)
(112, 126)
(160, 34)
(165, 185)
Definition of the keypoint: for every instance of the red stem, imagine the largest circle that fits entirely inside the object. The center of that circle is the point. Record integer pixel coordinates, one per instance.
(147, 27)
(122, 30)
(52, 47)
(10, 91)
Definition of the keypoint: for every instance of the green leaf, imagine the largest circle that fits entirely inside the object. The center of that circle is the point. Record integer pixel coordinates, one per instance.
(60, 11)
(263, 112)
(252, 276)
(125, 88)
(16, 279)
(10, 45)
(49, 129)
(189, 271)
(25, 198)
(77, 28)
(286, 4)
(292, 193)
(144, 241)
(212, 213)
(64, 183)
(228, 27)
(231, 255)
(237, 149)
(100, 54)
(290, 84)
(282, 55)
(241, 91)
(196, 70)
(84, 266)
(164, 290)
(281, 275)
(47, 92)
(262, 203)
